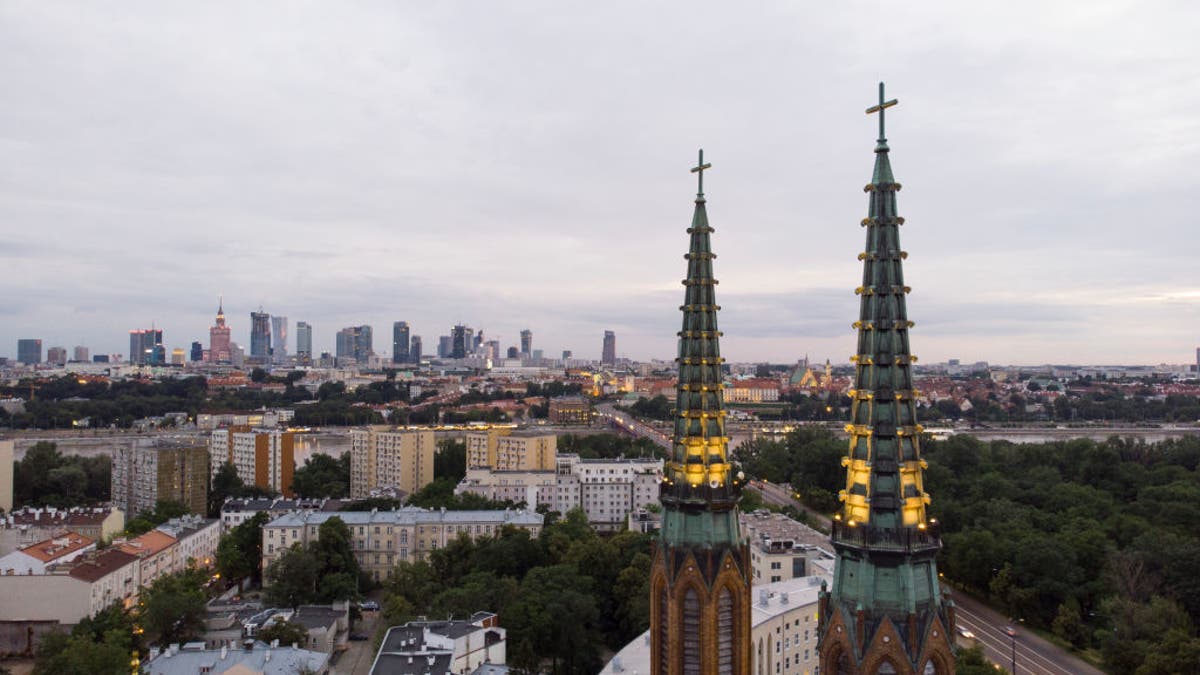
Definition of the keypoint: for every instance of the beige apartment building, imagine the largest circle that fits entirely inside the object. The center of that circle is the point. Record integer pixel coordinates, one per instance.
(381, 539)
(262, 457)
(509, 450)
(383, 456)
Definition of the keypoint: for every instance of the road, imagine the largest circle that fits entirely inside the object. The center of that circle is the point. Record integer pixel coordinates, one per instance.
(638, 429)
(1035, 655)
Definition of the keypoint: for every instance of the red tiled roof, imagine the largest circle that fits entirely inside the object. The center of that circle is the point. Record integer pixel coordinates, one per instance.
(148, 544)
(57, 547)
(102, 565)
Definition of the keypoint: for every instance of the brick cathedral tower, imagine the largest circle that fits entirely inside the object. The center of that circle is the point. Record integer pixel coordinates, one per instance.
(885, 612)
(700, 579)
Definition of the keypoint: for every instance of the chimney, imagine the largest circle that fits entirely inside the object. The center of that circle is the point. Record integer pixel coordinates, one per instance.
(764, 597)
(224, 652)
(783, 598)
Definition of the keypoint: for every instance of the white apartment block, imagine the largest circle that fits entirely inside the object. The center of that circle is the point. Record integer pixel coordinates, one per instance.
(68, 592)
(381, 539)
(509, 450)
(388, 457)
(606, 489)
(782, 548)
(196, 540)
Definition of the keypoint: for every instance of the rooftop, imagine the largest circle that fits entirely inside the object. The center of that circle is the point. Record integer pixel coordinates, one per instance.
(97, 567)
(261, 659)
(775, 530)
(147, 544)
(57, 547)
(51, 516)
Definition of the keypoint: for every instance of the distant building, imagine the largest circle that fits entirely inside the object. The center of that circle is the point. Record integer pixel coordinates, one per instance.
(262, 457)
(81, 354)
(400, 342)
(491, 349)
(385, 457)
(566, 354)
(445, 347)
(29, 351)
(381, 539)
(178, 357)
(570, 410)
(509, 450)
(260, 336)
(355, 343)
(442, 647)
(460, 343)
(149, 471)
(607, 490)
(526, 342)
(146, 347)
(279, 334)
(608, 355)
(100, 358)
(6, 476)
(56, 356)
(197, 352)
(512, 353)
(219, 348)
(414, 350)
(304, 350)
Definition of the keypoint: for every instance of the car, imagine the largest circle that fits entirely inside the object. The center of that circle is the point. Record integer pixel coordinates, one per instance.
(358, 637)
(369, 606)
(966, 633)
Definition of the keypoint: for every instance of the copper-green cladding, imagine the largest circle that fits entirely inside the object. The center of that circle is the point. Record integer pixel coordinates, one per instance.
(698, 494)
(885, 543)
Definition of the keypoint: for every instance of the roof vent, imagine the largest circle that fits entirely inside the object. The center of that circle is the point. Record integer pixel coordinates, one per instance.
(763, 597)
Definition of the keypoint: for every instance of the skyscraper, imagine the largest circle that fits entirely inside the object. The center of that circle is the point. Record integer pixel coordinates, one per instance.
(468, 341)
(197, 351)
(400, 339)
(146, 347)
(29, 351)
(885, 609)
(81, 354)
(56, 356)
(700, 577)
(365, 347)
(608, 355)
(218, 337)
(526, 343)
(279, 333)
(354, 342)
(459, 342)
(414, 350)
(445, 347)
(304, 340)
(260, 336)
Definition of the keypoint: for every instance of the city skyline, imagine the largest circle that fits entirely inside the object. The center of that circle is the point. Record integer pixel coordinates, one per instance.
(1048, 230)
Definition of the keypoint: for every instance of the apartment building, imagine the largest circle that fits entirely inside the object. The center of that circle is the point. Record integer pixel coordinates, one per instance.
(155, 552)
(262, 457)
(29, 525)
(510, 450)
(196, 540)
(67, 593)
(782, 548)
(442, 647)
(383, 456)
(36, 558)
(165, 469)
(607, 490)
(380, 539)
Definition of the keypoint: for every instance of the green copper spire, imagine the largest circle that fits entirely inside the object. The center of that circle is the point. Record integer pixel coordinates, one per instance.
(885, 579)
(698, 494)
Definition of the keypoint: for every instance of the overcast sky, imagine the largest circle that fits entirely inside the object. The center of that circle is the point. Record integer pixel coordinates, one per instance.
(525, 164)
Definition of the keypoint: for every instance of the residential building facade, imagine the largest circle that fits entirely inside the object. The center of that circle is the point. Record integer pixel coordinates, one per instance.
(510, 450)
(383, 456)
(146, 472)
(262, 457)
(381, 539)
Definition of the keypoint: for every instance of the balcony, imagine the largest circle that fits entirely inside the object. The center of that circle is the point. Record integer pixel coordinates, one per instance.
(900, 539)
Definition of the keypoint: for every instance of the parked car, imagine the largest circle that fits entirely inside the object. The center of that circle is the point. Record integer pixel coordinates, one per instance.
(358, 637)
(369, 606)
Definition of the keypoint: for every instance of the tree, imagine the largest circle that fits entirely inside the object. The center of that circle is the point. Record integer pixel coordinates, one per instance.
(239, 553)
(292, 578)
(556, 611)
(323, 476)
(62, 654)
(287, 632)
(451, 460)
(226, 484)
(173, 606)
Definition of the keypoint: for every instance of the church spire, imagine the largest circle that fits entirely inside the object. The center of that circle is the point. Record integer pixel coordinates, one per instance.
(700, 578)
(885, 605)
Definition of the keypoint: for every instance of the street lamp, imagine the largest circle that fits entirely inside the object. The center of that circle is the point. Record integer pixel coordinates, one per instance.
(1012, 636)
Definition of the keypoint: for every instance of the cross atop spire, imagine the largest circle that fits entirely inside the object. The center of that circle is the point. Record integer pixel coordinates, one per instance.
(882, 106)
(699, 171)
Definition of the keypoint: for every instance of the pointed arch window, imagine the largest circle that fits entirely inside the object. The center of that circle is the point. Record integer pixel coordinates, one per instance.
(691, 633)
(664, 633)
(725, 632)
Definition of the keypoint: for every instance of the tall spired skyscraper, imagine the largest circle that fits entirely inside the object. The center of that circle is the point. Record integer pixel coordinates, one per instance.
(218, 337)
(700, 579)
(885, 612)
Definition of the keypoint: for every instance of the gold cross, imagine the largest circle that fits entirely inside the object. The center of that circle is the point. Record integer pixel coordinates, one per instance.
(883, 105)
(699, 171)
